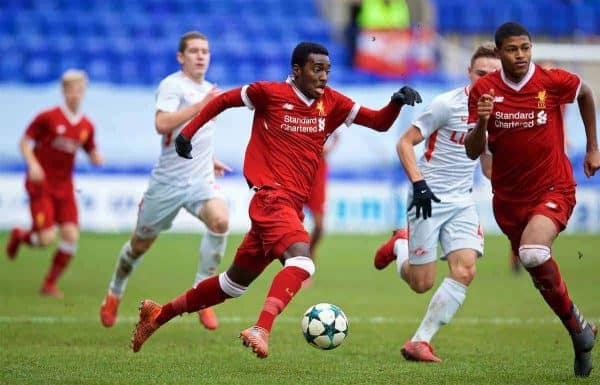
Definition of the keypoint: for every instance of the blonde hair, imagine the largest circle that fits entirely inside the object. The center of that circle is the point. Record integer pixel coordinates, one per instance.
(72, 76)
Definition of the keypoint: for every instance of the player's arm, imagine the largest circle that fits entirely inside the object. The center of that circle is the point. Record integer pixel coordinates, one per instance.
(96, 157)
(382, 120)
(35, 172)
(167, 121)
(475, 140)
(220, 167)
(587, 109)
(406, 152)
(486, 164)
(229, 99)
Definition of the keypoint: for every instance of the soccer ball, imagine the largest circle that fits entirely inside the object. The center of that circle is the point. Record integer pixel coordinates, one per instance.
(324, 326)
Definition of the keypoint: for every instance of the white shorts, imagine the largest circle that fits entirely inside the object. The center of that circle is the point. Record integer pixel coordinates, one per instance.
(454, 224)
(161, 204)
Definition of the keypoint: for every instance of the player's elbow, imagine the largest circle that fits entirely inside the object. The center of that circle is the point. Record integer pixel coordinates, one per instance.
(472, 153)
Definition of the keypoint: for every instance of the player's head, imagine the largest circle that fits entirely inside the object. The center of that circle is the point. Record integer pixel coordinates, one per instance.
(73, 87)
(513, 45)
(194, 55)
(483, 61)
(310, 68)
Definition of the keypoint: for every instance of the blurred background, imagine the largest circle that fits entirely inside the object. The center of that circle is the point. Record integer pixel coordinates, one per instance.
(376, 46)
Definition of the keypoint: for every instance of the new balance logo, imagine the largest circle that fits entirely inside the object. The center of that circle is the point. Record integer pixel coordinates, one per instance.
(288, 106)
(498, 99)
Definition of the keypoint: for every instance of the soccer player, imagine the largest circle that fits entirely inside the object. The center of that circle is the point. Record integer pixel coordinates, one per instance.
(444, 174)
(316, 199)
(292, 120)
(49, 146)
(516, 113)
(176, 183)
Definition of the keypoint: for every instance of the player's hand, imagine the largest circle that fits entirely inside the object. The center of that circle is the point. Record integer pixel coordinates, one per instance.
(183, 147)
(422, 197)
(485, 105)
(220, 167)
(35, 173)
(406, 95)
(591, 163)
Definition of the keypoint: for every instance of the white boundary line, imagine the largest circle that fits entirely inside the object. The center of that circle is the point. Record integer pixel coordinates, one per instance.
(235, 320)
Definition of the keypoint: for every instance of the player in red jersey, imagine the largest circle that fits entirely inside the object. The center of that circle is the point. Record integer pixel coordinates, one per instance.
(49, 146)
(517, 112)
(292, 120)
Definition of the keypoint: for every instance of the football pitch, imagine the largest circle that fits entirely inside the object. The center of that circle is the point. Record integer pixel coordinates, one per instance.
(503, 334)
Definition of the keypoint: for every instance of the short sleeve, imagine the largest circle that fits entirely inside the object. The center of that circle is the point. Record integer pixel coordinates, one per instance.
(36, 128)
(168, 96)
(433, 117)
(345, 110)
(474, 95)
(254, 95)
(565, 84)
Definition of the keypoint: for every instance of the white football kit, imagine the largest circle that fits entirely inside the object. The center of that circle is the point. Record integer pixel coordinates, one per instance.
(176, 182)
(449, 174)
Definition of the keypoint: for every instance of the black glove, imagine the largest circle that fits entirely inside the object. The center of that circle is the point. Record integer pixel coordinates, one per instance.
(422, 197)
(406, 95)
(183, 147)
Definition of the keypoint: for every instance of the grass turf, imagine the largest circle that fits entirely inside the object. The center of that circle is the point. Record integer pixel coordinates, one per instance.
(504, 333)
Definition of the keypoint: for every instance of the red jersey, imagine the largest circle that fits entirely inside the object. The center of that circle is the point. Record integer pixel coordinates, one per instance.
(288, 134)
(525, 131)
(57, 135)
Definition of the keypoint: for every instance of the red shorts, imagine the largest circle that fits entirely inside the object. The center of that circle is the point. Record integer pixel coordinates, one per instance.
(49, 207)
(512, 217)
(276, 225)
(316, 200)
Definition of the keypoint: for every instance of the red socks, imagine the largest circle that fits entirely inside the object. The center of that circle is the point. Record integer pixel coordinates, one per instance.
(28, 237)
(285, 285)
(547, 279)
(206, 293)
(59, 264)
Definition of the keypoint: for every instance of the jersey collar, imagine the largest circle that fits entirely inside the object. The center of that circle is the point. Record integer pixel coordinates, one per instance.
(517, 86)
(307, 101)
(71, 117)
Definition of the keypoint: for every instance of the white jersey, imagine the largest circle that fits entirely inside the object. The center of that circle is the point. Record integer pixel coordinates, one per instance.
(444, 164)
(175, 92)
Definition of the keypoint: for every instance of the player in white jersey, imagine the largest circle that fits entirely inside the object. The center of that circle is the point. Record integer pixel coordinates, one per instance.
(176, 183)
(444, 174)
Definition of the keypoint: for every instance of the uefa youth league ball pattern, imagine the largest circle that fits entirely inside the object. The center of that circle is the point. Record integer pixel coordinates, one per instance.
(324, 326)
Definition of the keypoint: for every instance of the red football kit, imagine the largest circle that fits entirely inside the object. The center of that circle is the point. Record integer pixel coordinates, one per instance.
(57, 134)
(531, 173)
(283, 155)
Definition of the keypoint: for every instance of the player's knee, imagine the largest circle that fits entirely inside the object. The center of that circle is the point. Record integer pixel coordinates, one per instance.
(464, 274)
(219, 224)
(303, 263)
(533, 255)
(229, 287)
(47, 237)
(421, 284)
(139, 246)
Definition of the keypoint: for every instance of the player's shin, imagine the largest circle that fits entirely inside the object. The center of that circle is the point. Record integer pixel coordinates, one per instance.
(209, 292)
(62, 257)
(547, 279)
(212, 249)
(126, 264)
(443, 305)
(285, 285)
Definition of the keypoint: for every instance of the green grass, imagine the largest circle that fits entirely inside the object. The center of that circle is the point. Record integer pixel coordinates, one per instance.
(504, 334)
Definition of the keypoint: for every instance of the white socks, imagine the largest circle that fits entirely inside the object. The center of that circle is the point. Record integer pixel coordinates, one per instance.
(401, 253)
(212, 249)
(442, 307)
(125, 266)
